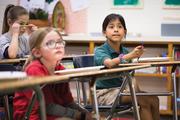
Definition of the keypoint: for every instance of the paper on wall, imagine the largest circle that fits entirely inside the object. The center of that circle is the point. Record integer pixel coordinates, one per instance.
(77, 5)
(31, 4)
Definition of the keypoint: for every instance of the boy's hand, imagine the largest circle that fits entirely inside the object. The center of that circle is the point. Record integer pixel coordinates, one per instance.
(137, 52)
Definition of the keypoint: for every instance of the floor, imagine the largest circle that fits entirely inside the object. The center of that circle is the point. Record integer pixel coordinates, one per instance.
(130, 117)
(125, 117)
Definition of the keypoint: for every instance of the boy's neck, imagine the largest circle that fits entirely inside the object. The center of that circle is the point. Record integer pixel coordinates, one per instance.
(115, 46)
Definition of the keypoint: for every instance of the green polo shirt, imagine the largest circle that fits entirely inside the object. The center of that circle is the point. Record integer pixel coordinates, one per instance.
(101, 53)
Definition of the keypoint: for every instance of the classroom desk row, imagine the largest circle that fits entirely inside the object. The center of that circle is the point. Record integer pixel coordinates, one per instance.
(19, 60)
(11, 61)
(11, 85)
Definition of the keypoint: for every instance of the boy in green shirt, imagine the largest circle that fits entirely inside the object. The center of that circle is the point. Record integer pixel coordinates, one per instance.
(112, 53)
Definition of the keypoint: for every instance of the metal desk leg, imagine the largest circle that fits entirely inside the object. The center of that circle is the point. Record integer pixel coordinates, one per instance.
(174, 96)
(6, 104)
(95, 102)
(121, 89)
(84, 93)
(133, 95)
(30, 106)
(40, 97)
(78, 92)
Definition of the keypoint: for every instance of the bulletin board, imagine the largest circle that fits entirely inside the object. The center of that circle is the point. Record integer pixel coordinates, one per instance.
(128, 3)
(75, 14)
(171, 4)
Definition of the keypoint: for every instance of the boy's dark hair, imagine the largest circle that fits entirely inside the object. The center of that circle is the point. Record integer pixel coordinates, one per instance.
(12, 12)
(111, 17)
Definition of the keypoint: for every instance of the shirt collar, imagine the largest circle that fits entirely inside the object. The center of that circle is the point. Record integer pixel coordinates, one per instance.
(111, 50)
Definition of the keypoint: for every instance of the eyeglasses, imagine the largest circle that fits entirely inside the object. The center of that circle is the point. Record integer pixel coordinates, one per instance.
(53, 44)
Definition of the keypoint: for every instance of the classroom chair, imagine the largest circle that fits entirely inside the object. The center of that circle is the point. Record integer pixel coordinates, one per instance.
(83, 61)
(88, 61)
(7, 98)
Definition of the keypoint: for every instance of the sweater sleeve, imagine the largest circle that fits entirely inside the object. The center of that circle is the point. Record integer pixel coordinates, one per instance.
(60, 111)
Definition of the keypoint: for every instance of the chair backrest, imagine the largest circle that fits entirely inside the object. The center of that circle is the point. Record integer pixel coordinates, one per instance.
(83, 61)
(68, 63)
(79, 62)
(7, 98)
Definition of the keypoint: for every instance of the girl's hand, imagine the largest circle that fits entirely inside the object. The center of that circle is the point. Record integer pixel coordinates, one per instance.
(15, 28)
(31, 28)
(137, 52)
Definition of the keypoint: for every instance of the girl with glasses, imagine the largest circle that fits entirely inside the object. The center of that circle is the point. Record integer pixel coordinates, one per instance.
(47, 51)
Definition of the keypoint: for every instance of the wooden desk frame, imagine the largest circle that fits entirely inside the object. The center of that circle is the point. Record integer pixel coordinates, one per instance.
(174, 64)
(30, 82)
(134, 94)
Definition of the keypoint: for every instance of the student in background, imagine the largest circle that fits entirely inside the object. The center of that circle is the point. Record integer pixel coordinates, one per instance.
(15, 32)
(112, 53)
(47, 50)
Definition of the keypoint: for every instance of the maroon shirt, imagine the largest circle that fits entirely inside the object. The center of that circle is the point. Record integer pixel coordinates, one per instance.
(53, 93)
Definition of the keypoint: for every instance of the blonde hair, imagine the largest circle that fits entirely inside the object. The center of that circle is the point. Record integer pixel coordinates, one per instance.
(35, 41)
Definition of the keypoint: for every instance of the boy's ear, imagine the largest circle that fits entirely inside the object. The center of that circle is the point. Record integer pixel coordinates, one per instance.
(104, 33)
(36, 52)
(125, 32)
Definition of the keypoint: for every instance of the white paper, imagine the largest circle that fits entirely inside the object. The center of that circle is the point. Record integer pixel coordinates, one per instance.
(79, 70)
(37, 4)
(31, 4)
(50, 6)
(25, 4)
(152, 59)
(77, 5)
(11, 75)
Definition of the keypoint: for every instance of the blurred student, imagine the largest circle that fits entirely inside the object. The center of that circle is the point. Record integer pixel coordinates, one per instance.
(15, 32)
(112, 53)
(47, 51)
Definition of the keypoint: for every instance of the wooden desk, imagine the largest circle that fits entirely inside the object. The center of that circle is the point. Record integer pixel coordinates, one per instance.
(174, 64)
(16, 84)
(152, 44)
(18, 60)
(153, 64)
(31, 82)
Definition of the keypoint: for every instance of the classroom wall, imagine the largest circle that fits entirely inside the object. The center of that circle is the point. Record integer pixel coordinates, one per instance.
(146, 21)
(3, 4)
(76, 22)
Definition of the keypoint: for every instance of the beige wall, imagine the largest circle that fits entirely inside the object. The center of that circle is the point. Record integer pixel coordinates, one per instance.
(75, 21)
(3, 4)
(146, 20)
